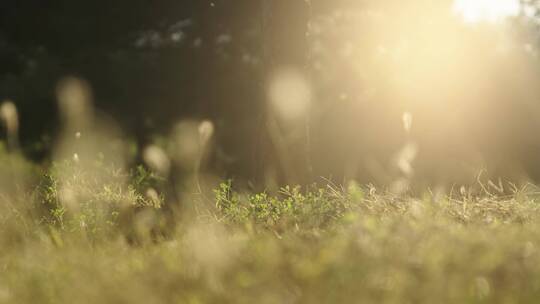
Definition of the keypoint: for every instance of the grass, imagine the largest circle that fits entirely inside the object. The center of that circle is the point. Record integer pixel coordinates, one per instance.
(70, 234)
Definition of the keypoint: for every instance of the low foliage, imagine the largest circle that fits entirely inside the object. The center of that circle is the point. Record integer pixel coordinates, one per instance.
(315, 245)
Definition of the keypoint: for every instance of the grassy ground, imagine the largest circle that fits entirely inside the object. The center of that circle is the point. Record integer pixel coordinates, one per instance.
(102, 240)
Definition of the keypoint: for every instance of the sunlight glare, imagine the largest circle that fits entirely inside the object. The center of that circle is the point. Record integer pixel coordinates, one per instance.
(475, 11)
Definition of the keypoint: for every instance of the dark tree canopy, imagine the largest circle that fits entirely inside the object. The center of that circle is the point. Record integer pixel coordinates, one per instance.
(153, 63)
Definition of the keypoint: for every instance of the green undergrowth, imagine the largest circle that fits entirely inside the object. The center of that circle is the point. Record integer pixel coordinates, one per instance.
(101, 234)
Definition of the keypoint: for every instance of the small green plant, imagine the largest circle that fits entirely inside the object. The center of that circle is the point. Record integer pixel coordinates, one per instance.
(291, 209)
(92, 199)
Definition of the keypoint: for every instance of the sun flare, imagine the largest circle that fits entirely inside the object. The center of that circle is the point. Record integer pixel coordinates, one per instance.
(474, 11)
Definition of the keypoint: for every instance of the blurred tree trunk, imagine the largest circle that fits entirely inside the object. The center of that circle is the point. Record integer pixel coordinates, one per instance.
(284, 45)
(285, 26)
